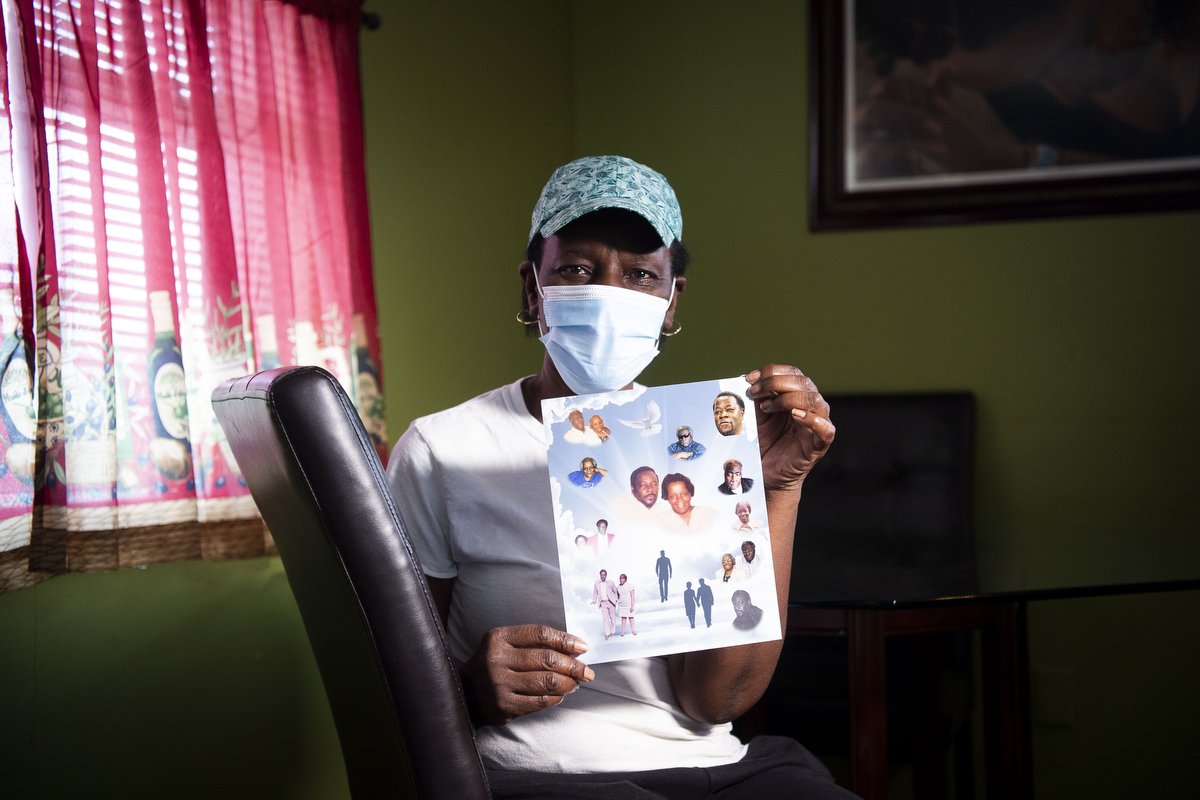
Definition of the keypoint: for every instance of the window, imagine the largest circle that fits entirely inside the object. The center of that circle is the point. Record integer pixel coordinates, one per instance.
(183, 202)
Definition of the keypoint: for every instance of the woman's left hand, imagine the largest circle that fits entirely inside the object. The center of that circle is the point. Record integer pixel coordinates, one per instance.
(794, 429)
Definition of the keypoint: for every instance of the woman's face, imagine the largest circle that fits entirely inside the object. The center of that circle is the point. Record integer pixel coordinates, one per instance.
(727, 562)
(679, 498)
(609, 249)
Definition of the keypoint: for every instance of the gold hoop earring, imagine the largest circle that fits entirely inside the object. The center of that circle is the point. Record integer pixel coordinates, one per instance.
(675, 329)
(526, 319)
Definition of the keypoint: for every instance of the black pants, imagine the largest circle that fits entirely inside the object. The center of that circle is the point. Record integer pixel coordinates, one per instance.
(774, 768)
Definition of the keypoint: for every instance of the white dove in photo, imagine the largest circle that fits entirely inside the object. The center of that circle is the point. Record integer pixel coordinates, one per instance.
(650, 426)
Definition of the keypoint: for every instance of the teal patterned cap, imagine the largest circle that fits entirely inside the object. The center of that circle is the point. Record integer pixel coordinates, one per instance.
(595, 182)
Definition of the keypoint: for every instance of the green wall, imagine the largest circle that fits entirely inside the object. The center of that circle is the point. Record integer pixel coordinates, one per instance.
(1078, 337)
(191, 680)
(469, 107)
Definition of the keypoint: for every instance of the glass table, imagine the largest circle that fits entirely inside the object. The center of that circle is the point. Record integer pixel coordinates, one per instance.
(868, 603)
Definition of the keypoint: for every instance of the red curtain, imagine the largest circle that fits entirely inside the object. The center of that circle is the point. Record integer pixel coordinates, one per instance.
(185, 202)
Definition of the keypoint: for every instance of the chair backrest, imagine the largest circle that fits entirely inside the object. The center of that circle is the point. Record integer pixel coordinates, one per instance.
(891, 503)
(391, 684)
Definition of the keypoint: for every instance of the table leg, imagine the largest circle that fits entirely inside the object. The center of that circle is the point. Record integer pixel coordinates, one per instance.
(867, 650)
(1009, 749)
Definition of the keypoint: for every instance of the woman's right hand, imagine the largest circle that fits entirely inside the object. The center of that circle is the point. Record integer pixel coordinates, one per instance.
(519, 669)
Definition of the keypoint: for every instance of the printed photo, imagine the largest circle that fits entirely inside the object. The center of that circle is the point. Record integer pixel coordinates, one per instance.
(660, 519)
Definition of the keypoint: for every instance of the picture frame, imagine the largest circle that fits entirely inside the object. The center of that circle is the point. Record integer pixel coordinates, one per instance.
(909, 126)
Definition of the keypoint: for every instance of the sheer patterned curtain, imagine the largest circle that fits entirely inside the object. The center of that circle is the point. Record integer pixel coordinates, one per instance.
(182, 200)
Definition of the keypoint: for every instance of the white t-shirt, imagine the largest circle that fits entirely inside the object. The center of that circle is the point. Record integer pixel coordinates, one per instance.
(471, 485)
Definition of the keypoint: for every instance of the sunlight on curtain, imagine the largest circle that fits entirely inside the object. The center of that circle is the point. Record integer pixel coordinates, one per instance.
(182, 201)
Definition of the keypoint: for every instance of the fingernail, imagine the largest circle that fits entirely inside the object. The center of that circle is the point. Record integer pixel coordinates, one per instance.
(799, 413)
(589, 674)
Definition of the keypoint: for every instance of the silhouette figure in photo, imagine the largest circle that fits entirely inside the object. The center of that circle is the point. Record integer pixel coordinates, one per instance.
(662, 568)
(704, 596)
(689, 604)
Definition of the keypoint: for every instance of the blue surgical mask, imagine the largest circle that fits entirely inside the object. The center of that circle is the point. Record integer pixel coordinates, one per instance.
(601, 337)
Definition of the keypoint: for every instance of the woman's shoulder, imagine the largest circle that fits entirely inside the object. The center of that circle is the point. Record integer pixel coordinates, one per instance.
(502, 405)
(495, 415)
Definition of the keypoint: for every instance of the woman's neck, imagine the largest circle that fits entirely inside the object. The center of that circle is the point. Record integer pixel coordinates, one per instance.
(545, 384)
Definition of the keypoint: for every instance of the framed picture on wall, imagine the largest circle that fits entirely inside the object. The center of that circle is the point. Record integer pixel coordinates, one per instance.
(942, 111)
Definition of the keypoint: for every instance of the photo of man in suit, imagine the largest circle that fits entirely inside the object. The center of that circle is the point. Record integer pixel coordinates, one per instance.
(734, 483)
(601, 540)
(605, 595)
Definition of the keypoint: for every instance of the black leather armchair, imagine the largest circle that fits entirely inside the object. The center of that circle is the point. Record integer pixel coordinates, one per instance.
(392, 687)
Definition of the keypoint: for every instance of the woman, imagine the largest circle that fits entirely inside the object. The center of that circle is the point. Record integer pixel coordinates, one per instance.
(678, 490)
(602, 282)
(727, 573)
(625, 603)
(602, 431)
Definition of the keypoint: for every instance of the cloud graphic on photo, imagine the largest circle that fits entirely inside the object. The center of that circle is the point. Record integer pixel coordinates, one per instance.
(564, 518)
(558, 409)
